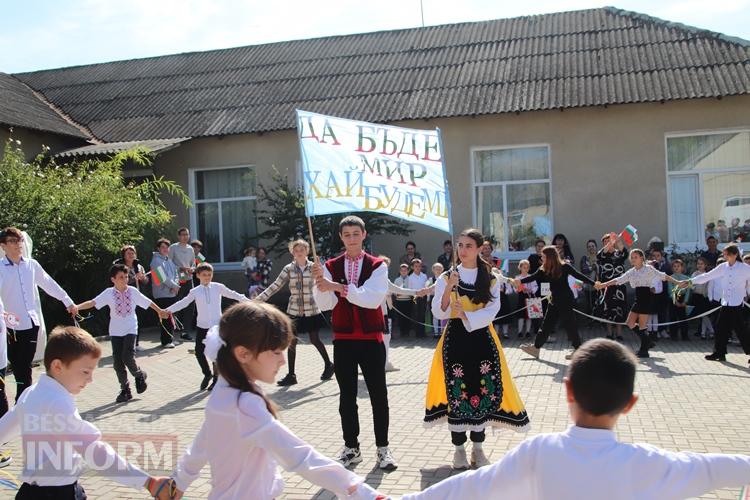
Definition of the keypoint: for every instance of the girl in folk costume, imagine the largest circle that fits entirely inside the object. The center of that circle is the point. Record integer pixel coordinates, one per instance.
(302, 309)
(641, 277)
(470, 385)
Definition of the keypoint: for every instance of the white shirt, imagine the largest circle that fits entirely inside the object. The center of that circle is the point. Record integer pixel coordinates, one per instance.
(644, 276)
(416, 281)
(47, 419)
(3, 338)
(591, 464)
(480, 318)
(207, 301)
(243, 444)
(17, 284)
(734, 281)
(122, 320)
(370, 295)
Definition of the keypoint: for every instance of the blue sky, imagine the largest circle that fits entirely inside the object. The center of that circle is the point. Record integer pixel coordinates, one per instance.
(40, 34)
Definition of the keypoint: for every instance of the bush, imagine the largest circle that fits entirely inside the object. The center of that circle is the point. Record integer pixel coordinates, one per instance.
(79, 214)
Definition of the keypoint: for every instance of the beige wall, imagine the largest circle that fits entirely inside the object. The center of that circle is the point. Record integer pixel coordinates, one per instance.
(608, 164)
(32, 141)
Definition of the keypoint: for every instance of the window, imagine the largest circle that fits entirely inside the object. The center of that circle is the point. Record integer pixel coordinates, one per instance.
(224, 212)
(512, 195)
(709, 182)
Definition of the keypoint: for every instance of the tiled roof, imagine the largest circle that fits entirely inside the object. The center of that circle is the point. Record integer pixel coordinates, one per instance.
(154, 146)
(19, 107)
(570, 59)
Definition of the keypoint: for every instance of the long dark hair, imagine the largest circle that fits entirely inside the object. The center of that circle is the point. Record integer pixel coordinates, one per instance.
(484, 269)
(552, 266)
(258, 327)
(568, 254)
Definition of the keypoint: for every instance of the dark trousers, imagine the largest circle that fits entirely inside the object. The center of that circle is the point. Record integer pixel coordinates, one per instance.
(370, 356)
(459, 438)
(200, 348)
(21, 349)
(123, 356)
(166, 333)
(563, 312)
(68, 492)
(3, 396)
(420, 310)
(730, 318)
(678, 314)
(187, 315)
(403, 308)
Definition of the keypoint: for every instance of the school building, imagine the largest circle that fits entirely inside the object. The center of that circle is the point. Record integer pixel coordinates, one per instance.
(575, 122)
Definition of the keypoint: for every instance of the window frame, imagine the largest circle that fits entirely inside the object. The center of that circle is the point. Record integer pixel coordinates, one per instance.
(192, 192)
(507, 254)
(688, 246)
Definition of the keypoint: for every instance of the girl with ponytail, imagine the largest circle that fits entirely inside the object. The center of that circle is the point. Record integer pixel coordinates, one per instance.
(241, 436)
(470, 386)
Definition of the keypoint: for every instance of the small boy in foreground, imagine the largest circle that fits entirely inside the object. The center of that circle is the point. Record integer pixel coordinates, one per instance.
(57, 442)
(587, 461)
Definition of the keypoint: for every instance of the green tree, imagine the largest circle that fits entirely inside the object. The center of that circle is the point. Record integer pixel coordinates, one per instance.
(79, 214)
(282, 210)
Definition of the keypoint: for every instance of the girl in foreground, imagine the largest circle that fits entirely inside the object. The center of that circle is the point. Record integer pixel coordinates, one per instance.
(241, 436)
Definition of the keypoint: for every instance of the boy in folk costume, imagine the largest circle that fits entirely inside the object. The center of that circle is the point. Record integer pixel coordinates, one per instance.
(354, 285)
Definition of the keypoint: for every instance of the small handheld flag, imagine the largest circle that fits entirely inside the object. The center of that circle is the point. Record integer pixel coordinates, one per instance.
(199, 258)
(500, 263)
(577, 285)
(158, 275)
(629, 235)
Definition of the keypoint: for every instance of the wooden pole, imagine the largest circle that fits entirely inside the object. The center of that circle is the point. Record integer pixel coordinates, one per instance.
(312, 239)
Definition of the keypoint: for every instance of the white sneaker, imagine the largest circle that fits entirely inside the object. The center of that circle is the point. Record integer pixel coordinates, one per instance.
(569, 354)
(385, 459)
(5, 459)
(349, 456)
(530, 349)
(478, 458)
(170, 345)
(390, 368)
(460, 462)
(139, 349)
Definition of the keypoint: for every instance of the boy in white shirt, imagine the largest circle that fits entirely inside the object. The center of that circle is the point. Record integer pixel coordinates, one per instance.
(58, 443)
(417, 280)
(587, 461)
(123, 327)
(207, 297)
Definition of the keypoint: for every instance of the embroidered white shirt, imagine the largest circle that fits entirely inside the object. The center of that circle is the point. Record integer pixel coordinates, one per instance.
(370, 295)
(207, 301)
(644, 276)
(46, 418)
(590, 463)
(476, 319)
(17, 282)
(734, 281)
(243, 444)
(122, 320)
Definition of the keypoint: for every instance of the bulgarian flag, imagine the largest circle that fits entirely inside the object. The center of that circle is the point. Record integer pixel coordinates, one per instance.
(159, 275)
(199, 258)
(629, 235)
(577, 284)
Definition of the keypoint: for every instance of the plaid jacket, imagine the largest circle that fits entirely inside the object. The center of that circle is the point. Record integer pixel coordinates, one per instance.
(301, 283)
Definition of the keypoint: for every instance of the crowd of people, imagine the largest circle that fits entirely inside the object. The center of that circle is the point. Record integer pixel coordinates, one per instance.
(467, 302)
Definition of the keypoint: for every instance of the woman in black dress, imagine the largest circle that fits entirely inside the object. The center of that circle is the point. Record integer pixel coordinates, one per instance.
(612, 303)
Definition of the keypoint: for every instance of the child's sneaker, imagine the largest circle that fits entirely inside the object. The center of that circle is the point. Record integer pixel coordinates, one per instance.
(140, 383)
(327, 372)
(213, 383)
(290, 379)
(460, 462)
(349, 456)
(5, 459)
(569, 354)
(390, 368)
(478, 458)
(169, 346)
(385, 459)
(124, 396)
(206, 380)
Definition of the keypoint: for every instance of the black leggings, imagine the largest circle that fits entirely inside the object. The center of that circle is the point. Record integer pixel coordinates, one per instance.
(314, 340)
(563, 312)
(67, 492)
(200, 349)
(731, 318)
(21, 350)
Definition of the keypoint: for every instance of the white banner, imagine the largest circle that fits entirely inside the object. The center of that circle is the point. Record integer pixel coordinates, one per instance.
(351, 166)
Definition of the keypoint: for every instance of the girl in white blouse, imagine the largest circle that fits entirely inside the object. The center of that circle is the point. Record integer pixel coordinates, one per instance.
(241, 437)
(641, 277)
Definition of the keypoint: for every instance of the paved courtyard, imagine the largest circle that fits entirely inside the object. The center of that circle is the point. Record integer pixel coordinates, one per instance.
(686, 404)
